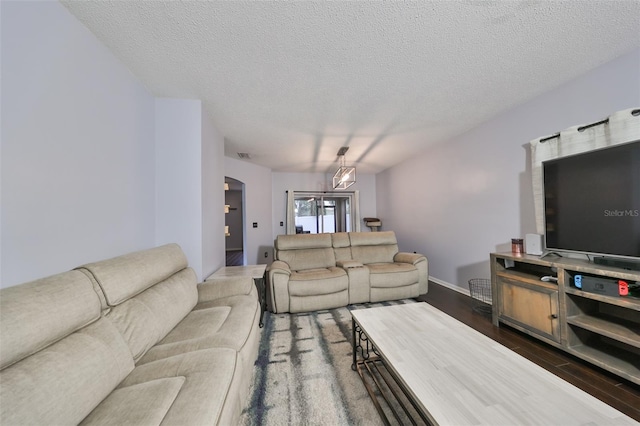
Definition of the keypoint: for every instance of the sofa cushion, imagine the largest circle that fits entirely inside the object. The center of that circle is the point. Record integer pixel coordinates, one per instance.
(341, 246)
(308, 258)
(125, 276)
(199, 323)
(373, 247)
(142, 404)
(64, 382)
(206, 396)
(215, 288)
(305, 251)
(318, 281)
(224, 322)
(303, 241)
(36, 314)
(318, 302)
(147, 318)
(392, 274)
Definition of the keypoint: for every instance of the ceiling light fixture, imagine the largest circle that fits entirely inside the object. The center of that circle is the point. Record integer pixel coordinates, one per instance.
(344, 176)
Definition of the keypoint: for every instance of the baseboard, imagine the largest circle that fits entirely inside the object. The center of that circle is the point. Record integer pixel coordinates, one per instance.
(454, 287)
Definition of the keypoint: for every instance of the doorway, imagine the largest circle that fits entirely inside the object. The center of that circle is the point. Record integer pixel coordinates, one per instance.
(234, 221)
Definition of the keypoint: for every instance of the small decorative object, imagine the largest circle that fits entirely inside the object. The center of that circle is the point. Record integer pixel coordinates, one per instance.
(372, 222)
(517, 246)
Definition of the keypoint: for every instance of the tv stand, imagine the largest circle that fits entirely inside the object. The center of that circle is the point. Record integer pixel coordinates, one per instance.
(601, 329)
(632, 265)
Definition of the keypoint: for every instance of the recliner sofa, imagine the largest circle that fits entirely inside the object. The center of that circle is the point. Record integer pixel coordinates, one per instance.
(323, 271)
(129, 340)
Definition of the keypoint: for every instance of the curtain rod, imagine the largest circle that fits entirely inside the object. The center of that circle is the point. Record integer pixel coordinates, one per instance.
(583, 128)
(548, 138)
(580, 129)
(635, 113)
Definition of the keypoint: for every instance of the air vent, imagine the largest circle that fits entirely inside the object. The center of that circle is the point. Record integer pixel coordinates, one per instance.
(244, 155)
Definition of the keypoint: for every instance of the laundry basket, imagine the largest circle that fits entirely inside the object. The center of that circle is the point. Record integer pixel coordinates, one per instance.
(480, 291)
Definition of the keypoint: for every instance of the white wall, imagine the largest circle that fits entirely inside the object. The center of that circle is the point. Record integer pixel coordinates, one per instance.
(190, 183)
(282, 182)
(465, 198)
(178, 177)
(257, 208)
(213, 243)
(92, 165)
(77, 147)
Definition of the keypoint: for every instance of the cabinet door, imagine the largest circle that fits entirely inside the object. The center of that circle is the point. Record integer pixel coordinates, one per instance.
(533, 309)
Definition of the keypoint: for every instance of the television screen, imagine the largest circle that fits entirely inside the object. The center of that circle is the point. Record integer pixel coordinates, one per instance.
(592, 202)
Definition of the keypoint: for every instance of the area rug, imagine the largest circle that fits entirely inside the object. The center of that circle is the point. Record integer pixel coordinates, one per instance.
(303, 374)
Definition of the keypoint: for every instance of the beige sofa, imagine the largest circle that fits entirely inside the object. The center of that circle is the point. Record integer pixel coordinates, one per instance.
(129, 340)
(323, 271)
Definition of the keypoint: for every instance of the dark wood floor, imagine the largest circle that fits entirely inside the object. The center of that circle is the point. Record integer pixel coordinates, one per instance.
(613, 390)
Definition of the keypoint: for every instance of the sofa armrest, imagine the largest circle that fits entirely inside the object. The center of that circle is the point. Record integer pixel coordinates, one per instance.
(359, 286)
(412, 258)
(421, 263)
(279, 267)
(278, 274)
(217, 288)
(347, 264)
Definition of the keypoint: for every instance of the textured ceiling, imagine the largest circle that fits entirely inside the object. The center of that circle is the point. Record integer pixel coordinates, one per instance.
(292, 82)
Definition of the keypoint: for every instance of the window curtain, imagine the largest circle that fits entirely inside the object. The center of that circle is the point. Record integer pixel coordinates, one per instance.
(291, 212)
(620, 127)
(355, 210)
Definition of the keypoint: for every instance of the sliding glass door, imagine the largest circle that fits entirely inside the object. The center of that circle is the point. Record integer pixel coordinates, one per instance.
(322, 212)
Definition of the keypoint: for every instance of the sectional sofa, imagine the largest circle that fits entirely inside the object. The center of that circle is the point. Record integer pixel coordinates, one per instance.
(323, 271)
(129, 340)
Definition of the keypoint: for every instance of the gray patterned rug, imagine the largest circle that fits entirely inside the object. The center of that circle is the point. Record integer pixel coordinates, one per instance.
(303, 373)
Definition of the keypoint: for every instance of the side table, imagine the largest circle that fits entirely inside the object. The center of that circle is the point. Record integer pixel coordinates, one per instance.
(257, 272)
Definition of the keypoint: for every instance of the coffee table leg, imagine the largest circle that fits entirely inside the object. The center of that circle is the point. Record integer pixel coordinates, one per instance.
(353, 342)
(358, 337)
(261, 284)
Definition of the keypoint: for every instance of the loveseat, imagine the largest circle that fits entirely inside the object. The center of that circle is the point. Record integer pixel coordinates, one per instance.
(130, 340)
(323, 271)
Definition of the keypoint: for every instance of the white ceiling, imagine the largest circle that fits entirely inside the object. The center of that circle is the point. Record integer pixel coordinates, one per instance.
(291, 82)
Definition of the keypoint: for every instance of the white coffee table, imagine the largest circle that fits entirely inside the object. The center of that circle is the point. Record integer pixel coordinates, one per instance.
(458, 376)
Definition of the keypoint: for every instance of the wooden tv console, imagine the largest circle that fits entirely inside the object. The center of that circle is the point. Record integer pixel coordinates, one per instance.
(603, 330)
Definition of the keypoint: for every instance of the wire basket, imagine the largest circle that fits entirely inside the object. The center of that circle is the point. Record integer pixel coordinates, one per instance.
(480, 291)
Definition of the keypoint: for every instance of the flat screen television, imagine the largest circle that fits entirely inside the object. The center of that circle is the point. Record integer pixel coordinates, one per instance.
(592, 203)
